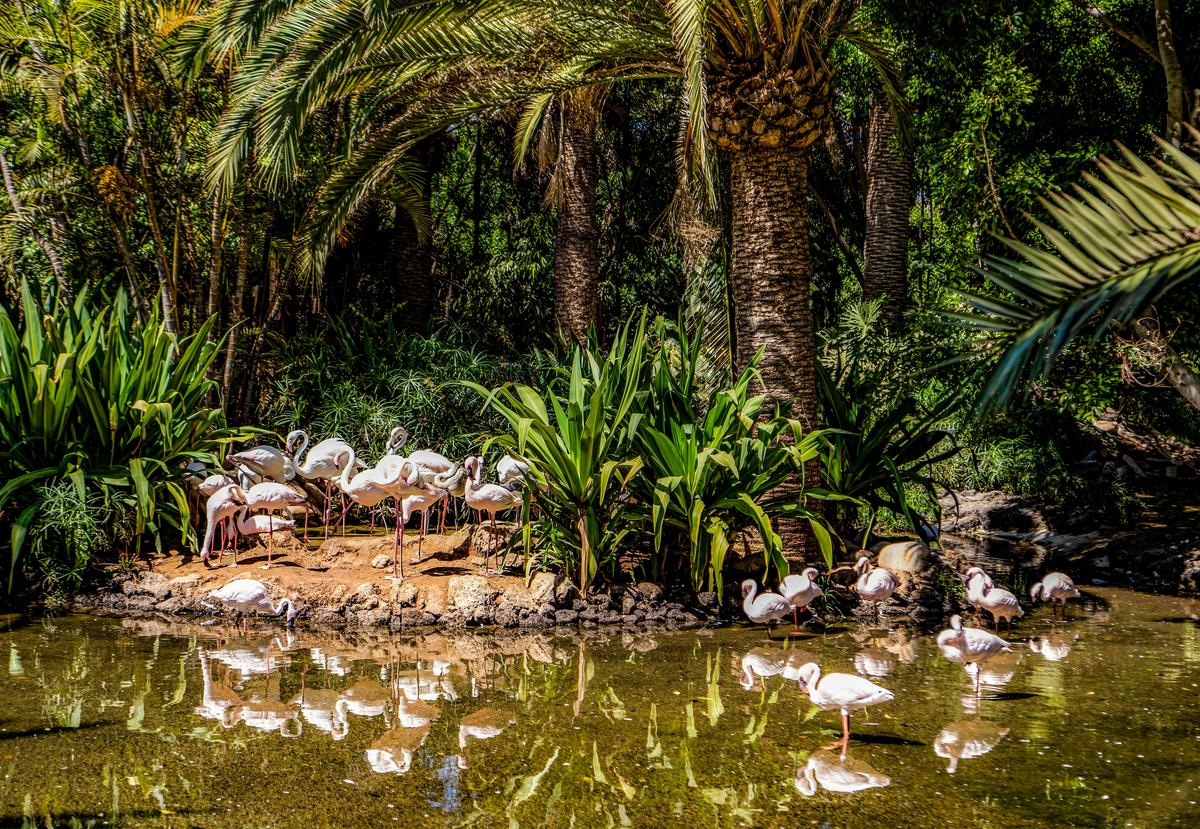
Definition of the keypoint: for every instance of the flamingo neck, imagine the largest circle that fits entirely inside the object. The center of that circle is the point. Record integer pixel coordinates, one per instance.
(348, 473)
(300, 452)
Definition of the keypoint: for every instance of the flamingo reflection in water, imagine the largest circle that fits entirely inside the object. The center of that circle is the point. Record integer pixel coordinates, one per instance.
(966, 740)
(837, 773)
(483, 724)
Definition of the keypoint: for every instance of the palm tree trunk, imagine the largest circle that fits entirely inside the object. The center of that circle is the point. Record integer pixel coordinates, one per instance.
(576, 240)
(1177, 97)
(770, 277)
(889, 202)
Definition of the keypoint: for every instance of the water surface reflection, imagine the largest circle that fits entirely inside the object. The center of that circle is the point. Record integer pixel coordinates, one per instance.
(168, 723)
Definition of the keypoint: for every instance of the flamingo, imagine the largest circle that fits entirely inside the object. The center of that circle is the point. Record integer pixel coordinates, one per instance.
(875, 584)
(370, 487)
(454, 482)
(995, 600)
(222, 505)
(398, 488)
(765, 608)
(965, 740)
(247, 524)
(214, 482)
(265, 462)
(800, 591)
(320, 463)
(252, 596)
(845, 692)
(489, 498)
(987, 583)
(970, 646)
(1054, 587)
(511, 470)
(272, 497)
(429, 461)
(843, 774)
(421, 503)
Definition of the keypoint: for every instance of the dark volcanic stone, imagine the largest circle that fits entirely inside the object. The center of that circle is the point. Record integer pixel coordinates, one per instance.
(566, 617)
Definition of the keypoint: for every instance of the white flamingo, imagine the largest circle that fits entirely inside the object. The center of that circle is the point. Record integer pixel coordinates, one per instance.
(833, 773)
(995, 600)
(273, 497)
(970, 646)
(369, 487)
(421, 503)
(875, 584)
(1055, 587)
(987, 583)
(454, 482)
(266, 462)
(965, 740)
(321, 463)
(800, 591)
(844, 692)
(408, 482)
(251, 596)
(246, 524)
(427, 459)
(221, 506)
(489, 498)
(214, 482)
(509, 470)
(763, 608)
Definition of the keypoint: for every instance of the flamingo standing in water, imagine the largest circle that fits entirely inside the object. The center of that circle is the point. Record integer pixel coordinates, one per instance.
(489, 498)
(321, 463)
(970, 646)
(875, 584)
(982, 592)
(1055, 587)
(222, 505)
(844, 692)
(800, 591)
(764, 608)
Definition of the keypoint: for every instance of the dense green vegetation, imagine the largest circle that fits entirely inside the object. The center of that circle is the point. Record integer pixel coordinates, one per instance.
(341, 214)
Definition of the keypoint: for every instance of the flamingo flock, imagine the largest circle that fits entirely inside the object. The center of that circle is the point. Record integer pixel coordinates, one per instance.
(263, 488)
(970, 647)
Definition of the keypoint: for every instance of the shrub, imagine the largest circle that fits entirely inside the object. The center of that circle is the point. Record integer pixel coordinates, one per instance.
(91, 398)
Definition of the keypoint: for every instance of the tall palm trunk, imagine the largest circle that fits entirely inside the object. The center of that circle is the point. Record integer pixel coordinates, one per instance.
(889, 199)
(770, 278)
(576, 240)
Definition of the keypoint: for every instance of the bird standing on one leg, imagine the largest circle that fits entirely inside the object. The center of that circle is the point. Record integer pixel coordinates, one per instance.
(845, 692)
(763, 608)
(800, 591)
(875, 584)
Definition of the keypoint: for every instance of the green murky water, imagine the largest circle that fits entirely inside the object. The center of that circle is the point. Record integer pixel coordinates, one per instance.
(1096, 722)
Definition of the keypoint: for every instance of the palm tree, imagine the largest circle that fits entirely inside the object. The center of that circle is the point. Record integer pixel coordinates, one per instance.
(889, 202)
(1118, 246)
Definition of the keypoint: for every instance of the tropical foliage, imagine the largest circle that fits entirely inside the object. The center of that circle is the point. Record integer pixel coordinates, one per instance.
(113, 407)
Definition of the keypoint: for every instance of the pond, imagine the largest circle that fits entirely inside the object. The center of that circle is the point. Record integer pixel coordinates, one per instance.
(171, 722)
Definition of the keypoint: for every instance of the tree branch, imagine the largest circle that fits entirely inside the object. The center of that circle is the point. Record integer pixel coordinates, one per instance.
(1128, 35)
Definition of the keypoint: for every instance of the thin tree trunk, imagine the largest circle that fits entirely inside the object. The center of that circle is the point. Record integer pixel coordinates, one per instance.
(64, 288)
(216, 258)
(889, 202)
(576, 240)
(237, 305)
(770, 277)
(1177, 103)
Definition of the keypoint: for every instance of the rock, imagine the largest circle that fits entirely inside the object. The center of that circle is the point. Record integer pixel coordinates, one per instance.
(435, 600)
(566, 617)
(588, 614)
(507, 616)
(364, 597)
(905, 557)
(708, 600)
(546, 611)
(405, 594)
(469, 595)
(649, 591)
(183, 581)
(517, 597)
(554, 588)
(628, 603)
(414, 617)
(151, 584)
(381, 561)
(843, 576)
(608, 617)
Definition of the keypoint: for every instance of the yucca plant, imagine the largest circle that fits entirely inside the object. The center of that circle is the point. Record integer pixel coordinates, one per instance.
(1117, 246)
(714, 466)
(875, 454)
(89, 396)
(579, 437)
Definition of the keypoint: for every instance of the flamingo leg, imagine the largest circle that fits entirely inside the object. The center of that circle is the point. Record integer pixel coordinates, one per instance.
(343, 515)
(236, 539)
(306, 512)
(270, 539)
(845, 727)
(492, 541)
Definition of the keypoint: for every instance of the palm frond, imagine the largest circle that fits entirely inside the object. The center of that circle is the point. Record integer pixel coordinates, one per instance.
(1117, 245)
